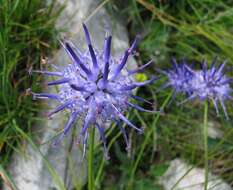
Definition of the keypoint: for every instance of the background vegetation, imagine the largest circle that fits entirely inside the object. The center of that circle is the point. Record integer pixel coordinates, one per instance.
(190, 29)
(27, 35)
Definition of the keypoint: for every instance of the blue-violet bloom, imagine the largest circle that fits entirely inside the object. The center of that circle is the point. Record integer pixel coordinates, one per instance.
(212, 84)
(205, 84)
(179, 77)
(95, 88)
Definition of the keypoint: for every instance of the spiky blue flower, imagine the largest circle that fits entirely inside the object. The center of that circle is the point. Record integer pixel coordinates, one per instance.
(206, 84)
(95, 88)
(179, 77)
(212, 84)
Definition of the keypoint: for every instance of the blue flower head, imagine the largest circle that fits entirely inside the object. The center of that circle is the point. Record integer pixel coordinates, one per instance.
(206, 84)
(179, 77)
(212, 84)
(95, 88)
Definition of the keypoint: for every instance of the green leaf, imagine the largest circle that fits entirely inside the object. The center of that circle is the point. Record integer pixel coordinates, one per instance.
(146, 184)
(158, 170)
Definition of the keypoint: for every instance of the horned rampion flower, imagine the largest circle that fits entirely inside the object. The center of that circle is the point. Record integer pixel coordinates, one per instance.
(95, 88)
(210, 84)
(179, 77)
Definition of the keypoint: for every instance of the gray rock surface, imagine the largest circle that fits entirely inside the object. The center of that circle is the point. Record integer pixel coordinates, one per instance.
(30, 170)
(193, 178)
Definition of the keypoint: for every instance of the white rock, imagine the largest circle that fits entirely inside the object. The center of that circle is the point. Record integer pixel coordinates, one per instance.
(214, 131)
(193, 180)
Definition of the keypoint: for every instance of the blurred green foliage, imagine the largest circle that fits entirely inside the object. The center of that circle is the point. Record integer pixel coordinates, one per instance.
(27, 34)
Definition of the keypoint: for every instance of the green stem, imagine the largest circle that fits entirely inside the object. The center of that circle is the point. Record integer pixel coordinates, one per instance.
(205, 135)
(90, 159)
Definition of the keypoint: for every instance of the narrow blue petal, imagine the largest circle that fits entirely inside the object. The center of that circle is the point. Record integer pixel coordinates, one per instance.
(78, 88)
(90, 117)
(102, 135)
(93, 57)
(140, 108)
(226, 81)
(91, 50)
(129, 87)
(193, 96)
(121, 65)
(204, 65)
(137, 84)
(86, 125)
(57, 82)
(70, 122)
(77, 50)
(140, 99)
(123, 118)
(212, 66)
(174, 64)
(59, 74)
(224, 108)
(60, 108)
(164, 72)
(221, 67)
(55, 67)
(87, 35)
(135, 43)
(125, 58)
(229, 97)
(76, 59)
(140, 69)
(189, 69)
(204, 68)
(215, 106)
(123, 133)
(166, 85)
(85, 143)
(58, 140)
(107, 50)
(45, 96)
(183, 61)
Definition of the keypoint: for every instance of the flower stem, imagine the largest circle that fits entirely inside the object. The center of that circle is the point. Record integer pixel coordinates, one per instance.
(205, 136)
(90, 159)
